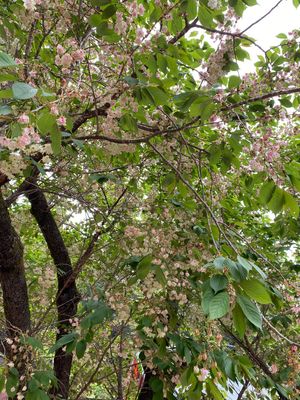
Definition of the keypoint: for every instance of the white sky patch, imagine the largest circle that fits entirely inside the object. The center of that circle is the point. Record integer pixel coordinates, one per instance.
(285, 18)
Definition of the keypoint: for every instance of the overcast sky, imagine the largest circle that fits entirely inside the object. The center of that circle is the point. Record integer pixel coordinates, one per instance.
(283, 19)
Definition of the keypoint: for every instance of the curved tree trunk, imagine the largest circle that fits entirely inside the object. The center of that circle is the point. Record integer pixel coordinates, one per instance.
(12, 276)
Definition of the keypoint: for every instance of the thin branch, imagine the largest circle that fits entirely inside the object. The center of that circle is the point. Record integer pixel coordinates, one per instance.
(278, 333)
(187, 27)
(261, 18)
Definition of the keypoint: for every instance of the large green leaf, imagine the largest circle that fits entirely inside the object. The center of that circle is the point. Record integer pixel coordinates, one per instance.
(256, 291)
(239, 321)
(6, 60)
(46, 122)
(277, 201)
(218, 305)
(56, 138)
(218, 282)
(158, 95)
(291, 204)
(66, 339)
(266, 192)
(144, 267)
(250, 310)
(23, 91)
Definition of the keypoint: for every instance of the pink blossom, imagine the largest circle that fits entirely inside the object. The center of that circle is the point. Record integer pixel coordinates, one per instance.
(78, 55)
(141, 9)
(36, 137)
(274, 368)
(255, 165)
(4, 141)
(296, 309)
(62, 120)
(3, 396)
(29, 4)
(272, 155)
(139, 35)
(294, 348)
(60, 50)
(23, 140)
(54, 109)
(23, 119)
(66, 60)
(203, 374)
(57, 60)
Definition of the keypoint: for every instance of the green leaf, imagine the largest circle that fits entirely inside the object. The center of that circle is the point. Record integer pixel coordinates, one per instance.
(291, 204)
(293, 168)
(245, 263)
(256, 291)
(66, 339)
(237, 271)
(277, 201)
(144, 267)
(205, 16)
(250, 310)
(34, 342)
(156, 384)
(219, 263)
(214, 391)
(266, 192)
(55, 136)
(23, 91)
(5, 110)
(234, 82)
(6, 94)
(46, 122)
(207, 296)
(286, 102)
(250, 2)
(2, 381)
(158, 95)
(259, 270)
(239, 321)
(191, 9)
(128, 123)
(7, 77)
(159, 275)
(80, 348)
(6, 60)
(218, 282)
(219, 305)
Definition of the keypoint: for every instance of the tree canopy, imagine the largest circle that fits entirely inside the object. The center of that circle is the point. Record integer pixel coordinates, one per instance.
(149, 202)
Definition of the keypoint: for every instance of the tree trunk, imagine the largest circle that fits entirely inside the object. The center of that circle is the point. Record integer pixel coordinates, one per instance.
(146, 393)
(67, 295)
(12, 275)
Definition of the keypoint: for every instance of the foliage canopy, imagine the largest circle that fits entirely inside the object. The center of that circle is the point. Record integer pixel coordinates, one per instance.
(149, 214)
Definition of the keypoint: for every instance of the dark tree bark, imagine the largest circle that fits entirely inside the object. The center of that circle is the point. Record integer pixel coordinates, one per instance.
(12, 276)
(67, 294)
(146, 393)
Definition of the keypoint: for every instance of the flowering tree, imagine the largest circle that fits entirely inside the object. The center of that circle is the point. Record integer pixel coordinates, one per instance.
(148, 206)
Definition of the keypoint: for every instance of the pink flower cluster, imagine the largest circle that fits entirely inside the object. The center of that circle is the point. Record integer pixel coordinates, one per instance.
(135, 9)
(264, 152)
(28, 136)
(123, 23)
(66, 59)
